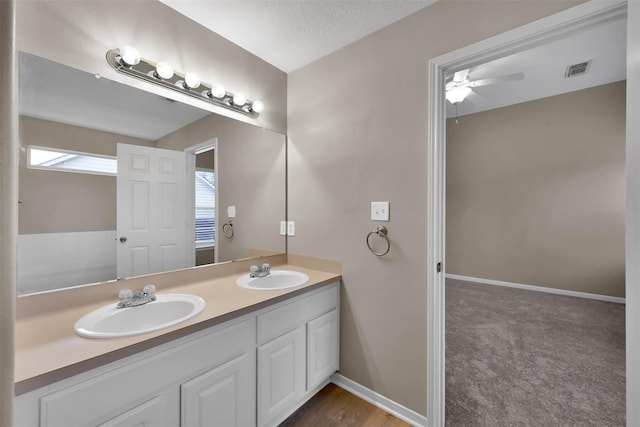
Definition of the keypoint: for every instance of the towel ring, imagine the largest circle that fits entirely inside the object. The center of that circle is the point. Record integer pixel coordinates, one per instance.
(227, 230)
(382, 232)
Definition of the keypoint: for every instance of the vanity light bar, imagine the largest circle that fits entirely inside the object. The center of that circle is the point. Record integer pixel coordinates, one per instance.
(128, 61)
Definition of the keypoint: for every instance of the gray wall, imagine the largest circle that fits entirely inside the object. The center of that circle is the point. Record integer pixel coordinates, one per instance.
(536, 192)
(8, 205)
(357, 128)
(57, 202)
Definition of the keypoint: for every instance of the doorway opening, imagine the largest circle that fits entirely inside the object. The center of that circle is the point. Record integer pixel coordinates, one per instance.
(202, 167)
(526, 37)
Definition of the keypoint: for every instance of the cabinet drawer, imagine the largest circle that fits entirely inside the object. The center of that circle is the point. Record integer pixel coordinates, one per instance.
(282, 319)
(151, 413)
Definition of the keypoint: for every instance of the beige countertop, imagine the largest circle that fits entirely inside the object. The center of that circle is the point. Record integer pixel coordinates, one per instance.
(48, 350)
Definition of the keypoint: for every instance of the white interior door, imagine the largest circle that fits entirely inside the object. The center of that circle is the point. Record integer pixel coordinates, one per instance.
(152, 220)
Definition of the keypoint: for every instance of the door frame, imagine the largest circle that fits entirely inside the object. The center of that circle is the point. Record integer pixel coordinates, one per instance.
(209, 144)
(536, 33)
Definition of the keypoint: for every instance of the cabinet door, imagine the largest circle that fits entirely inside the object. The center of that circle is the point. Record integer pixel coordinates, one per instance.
(224, 396)
(322, 348)
(281, 376)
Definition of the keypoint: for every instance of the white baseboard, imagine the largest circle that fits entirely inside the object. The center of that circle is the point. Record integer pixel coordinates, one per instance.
(537, 288)
(387, 405)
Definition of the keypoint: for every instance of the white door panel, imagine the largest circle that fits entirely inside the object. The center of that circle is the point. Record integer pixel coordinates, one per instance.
(152, 211)
(281, 376)
(222, 397)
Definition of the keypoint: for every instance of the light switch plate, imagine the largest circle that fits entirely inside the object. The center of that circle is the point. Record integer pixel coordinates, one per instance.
(287, 228)
(380, 211)
(231, 211)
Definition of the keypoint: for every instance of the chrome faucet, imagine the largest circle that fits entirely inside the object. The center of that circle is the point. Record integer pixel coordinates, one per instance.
(129, 298)
(259, 270)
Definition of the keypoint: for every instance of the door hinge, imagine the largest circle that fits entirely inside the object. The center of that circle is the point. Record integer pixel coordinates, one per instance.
(439, 267)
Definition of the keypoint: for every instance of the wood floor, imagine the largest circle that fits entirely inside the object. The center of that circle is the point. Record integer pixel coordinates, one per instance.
(333, 407)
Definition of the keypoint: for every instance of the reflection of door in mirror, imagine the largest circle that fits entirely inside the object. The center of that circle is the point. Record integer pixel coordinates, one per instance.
(153, 212)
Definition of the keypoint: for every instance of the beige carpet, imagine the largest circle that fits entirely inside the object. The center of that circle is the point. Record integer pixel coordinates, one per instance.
(525, 358)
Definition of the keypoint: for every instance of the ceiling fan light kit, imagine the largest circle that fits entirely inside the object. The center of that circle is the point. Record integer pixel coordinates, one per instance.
(460, 85)
(457, 94)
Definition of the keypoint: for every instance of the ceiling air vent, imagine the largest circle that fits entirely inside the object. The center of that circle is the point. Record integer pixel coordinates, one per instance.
(577, 69)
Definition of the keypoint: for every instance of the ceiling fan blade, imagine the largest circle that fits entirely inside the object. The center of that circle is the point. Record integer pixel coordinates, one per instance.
(499, 79)
(460, 76)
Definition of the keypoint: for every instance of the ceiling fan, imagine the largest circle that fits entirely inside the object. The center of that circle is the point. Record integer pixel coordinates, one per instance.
(461, 84)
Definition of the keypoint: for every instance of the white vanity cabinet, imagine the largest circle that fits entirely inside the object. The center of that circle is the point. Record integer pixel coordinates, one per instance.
(298, 346)
(162, 386)
(253, 370)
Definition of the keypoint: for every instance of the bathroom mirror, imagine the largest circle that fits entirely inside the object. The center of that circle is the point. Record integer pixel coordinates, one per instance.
(71, 201)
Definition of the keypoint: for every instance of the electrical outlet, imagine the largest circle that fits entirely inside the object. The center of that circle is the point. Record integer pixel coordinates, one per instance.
(283, 228)
(380, 211)
(291, 228)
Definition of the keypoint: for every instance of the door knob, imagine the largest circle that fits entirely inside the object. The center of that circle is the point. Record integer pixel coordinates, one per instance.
(123, 239)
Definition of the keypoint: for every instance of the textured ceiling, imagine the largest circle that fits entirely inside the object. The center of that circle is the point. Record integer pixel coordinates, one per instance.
(290, 34)
(317, 28)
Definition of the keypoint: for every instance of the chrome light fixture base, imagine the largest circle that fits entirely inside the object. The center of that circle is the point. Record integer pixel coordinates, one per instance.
(146, 70)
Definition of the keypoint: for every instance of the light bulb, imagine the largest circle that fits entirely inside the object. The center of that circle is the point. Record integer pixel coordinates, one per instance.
(239, 99)
(218, 91)
(257, 106)
(164, 70)
(191, 80)
(130, 55)
(457, 94)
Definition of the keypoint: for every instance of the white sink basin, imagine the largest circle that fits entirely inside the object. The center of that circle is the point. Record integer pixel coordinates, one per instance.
(111, 322)
(277, 279)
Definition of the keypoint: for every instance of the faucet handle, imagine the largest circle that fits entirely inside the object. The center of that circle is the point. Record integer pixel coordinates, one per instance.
(150, 292)
(253, 268)
(125, 294)
(266, 267)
